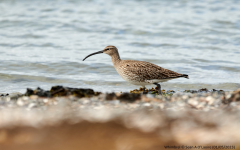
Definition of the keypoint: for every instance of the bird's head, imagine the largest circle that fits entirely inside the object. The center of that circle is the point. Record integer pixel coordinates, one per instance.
(110, 50)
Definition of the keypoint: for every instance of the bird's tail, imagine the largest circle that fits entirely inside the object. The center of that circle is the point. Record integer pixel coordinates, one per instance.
(185, 76)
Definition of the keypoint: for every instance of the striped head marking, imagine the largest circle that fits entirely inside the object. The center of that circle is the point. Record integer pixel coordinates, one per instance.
(110, 50)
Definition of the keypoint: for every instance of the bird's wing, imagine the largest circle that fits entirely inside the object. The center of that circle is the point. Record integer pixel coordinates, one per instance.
(147, 71)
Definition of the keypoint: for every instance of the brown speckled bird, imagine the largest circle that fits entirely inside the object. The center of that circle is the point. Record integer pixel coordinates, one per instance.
(139, 72)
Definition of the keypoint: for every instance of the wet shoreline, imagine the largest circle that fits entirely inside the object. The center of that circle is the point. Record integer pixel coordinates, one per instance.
(59, 90)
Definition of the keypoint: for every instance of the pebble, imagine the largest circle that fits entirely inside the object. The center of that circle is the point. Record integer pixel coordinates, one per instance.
(31, 105)
(85, 101)
(20, 102)
(114, 102)
(193, 102)
(181, 113)
(161, 105)
(146, 104)
(45, 100)
(210, 100)
(179, 100)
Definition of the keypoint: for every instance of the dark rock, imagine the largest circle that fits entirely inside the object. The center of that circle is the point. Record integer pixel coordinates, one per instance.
(235, 96)
(62, 91)
(203, 90)
(42, 93)
(2, 95)
(130, 97)
(190, 91)
(29, 92)
(110, 96)
(39, 92)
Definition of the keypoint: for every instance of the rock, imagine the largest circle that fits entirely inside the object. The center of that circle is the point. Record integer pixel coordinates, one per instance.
(235, 96)
(20, 102)
(56, 91)
(210, 100)
(193, 102)
(31, 105)
(110, 96)
(4, 94)
(40, 92)
(146, 104)
(203, 90)
(130, 97)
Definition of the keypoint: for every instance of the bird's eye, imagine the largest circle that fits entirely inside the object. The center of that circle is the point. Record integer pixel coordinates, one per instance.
(107, 49)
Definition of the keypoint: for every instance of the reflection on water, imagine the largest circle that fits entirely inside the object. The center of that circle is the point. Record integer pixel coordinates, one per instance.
(43, 42)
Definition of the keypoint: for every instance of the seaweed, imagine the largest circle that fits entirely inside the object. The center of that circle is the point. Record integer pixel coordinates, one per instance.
(58, 90)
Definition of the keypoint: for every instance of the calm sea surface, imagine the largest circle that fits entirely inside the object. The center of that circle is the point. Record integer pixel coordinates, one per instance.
(43, 42)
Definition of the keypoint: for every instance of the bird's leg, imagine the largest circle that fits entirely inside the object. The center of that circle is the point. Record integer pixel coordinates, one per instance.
(159, 88)
(144, 92)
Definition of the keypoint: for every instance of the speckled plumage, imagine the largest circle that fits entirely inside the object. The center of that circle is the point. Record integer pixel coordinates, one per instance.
(139, 72)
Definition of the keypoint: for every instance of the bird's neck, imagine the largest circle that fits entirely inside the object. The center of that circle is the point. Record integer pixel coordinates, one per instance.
(115, 59)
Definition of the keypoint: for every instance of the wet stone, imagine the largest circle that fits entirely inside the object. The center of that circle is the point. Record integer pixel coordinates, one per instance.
(234, 97)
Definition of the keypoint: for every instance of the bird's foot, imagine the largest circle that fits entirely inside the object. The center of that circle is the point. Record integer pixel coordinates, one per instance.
(159, 92)
(159, 88)
(144, 92)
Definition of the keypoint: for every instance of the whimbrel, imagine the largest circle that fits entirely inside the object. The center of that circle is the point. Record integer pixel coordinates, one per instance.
(139, 72)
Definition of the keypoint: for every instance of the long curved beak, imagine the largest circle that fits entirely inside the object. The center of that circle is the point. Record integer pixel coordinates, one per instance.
(99, 52)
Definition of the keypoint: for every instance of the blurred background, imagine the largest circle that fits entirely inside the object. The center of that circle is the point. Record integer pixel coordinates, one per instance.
(42, 42)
